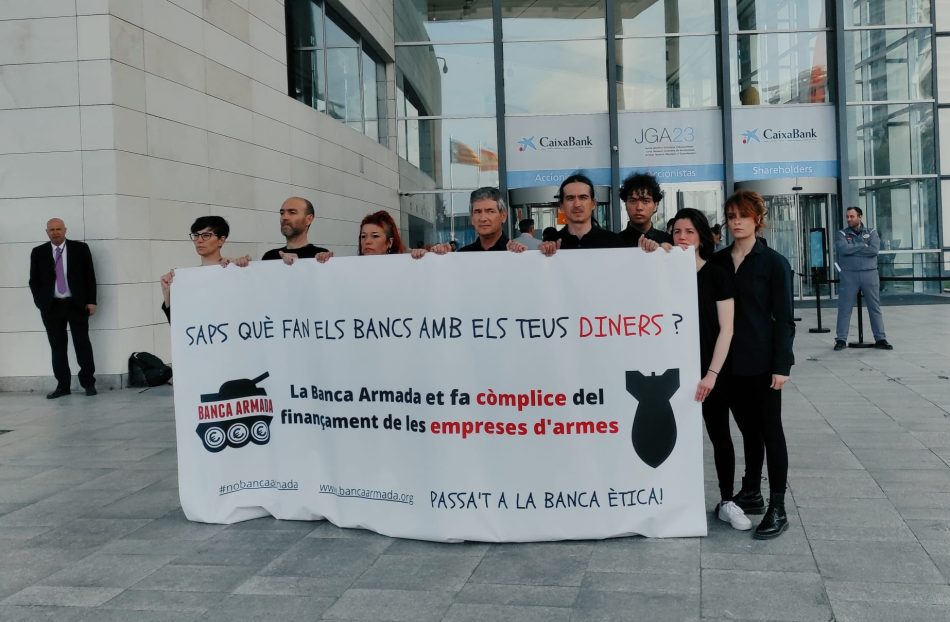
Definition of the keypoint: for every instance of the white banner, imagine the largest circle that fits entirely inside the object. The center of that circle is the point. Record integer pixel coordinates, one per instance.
(772, 142)
(544, 150)
(482, 396)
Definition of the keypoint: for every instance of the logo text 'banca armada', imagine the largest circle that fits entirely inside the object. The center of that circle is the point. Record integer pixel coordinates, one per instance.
(238, 414)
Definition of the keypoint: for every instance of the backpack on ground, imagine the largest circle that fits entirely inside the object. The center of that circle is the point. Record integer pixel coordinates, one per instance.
(147, 370)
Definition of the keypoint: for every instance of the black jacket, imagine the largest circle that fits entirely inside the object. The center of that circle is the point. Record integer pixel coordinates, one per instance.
(764, 327)
(80, 274)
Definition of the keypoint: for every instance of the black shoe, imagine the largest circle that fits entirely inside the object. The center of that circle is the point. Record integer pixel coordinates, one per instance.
(59, 392)
(840, 345)
(750, 501)
(881, 344)
(773, 523)
(90, 391)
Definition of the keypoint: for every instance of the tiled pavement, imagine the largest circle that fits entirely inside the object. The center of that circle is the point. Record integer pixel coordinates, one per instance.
(90, 527)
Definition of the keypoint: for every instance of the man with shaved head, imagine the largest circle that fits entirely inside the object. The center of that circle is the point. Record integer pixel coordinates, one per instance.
(63, 283)
(296, 216)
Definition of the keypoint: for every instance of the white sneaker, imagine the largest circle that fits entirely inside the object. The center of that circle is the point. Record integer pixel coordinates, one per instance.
(729, 512)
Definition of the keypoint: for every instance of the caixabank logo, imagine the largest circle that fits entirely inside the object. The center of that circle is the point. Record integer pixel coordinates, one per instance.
(545, 143)
(769, 134)
(239, 413)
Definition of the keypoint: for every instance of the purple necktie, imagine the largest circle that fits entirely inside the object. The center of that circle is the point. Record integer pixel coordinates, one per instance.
(60, 273)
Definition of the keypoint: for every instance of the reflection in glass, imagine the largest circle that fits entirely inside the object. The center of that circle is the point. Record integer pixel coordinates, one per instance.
(555, 77)
(304, 24)
(776, 14)
(883, 12)
(654, 17)
(371, 101)
(780, 68)
(343, 86)
(440, 21)
(431, 218)
(450, 79)
(890, 65)
(893, 140)
(455, 153)
(671, 72)
(306, 78)
(904, 212)
(338, 33)
(552, 19)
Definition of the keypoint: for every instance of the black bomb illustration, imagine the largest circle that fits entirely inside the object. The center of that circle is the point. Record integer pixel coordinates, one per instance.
(239, 413)
(654, 427)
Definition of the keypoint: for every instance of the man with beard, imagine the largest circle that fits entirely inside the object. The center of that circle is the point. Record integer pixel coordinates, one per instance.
(296, 216)
(577, 204)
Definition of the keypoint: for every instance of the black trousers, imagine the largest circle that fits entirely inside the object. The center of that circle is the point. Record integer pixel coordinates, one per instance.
(60, 314)
(758, 412)
(716, 416)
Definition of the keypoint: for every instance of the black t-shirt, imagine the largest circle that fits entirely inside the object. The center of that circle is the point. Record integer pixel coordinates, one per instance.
(500, 245)
(764, 329)
(304, 252)
(631, 235)
(595, 238)
(713, 283)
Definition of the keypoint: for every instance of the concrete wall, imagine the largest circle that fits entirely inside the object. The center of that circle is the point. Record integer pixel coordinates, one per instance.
(130, 118)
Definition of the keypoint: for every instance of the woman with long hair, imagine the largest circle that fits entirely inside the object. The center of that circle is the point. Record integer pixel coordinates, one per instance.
(716, 308)
(379, 235)
(761, 357)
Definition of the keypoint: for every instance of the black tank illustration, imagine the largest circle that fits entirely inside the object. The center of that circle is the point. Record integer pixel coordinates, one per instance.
(238, 432)
(654, 427)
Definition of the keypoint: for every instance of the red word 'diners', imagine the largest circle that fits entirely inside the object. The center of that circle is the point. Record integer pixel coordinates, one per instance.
(641, 325)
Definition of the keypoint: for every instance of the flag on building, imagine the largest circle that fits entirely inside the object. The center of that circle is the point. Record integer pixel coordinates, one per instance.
(488, 160)
(462, 153)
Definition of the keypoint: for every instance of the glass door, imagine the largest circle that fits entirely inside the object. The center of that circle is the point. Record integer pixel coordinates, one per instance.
(791, 220)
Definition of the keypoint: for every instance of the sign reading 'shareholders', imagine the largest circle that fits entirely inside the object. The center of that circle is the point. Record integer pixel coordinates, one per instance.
(482, 396)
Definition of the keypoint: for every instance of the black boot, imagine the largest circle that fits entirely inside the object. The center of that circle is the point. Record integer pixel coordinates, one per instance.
(749, 498)
(775, 520)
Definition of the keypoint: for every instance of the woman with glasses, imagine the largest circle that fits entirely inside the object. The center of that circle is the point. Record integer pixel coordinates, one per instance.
(209, 233)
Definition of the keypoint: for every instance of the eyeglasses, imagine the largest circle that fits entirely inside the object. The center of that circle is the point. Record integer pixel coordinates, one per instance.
(204, 235)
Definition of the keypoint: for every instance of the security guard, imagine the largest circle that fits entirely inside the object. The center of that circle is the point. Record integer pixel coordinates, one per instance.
(857, 248)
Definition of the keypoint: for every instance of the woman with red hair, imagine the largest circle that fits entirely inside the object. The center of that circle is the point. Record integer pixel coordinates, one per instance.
(379, 235)
(761, 357)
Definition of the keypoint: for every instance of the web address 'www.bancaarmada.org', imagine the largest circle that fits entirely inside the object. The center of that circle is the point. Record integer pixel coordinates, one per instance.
(366, 493)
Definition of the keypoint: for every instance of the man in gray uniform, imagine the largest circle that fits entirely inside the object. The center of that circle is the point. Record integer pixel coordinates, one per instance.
(857, 248)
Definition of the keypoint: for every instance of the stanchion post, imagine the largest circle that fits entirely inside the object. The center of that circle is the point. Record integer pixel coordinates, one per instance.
(816, 275)
(860, 342)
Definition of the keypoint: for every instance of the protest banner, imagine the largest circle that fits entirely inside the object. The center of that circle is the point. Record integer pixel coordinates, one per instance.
(472, 396)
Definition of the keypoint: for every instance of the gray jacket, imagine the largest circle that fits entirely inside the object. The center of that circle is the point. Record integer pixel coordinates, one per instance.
(857, 249)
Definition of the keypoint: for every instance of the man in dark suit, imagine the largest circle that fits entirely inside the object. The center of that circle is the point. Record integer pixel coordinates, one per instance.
(63, 283)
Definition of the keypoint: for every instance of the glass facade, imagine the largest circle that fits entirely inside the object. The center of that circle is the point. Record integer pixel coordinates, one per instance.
(330, 69)
(818, 104)
(893, 158)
